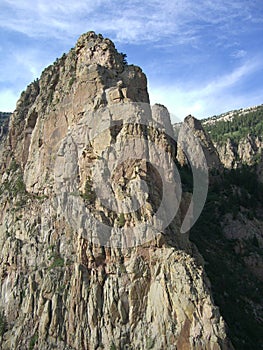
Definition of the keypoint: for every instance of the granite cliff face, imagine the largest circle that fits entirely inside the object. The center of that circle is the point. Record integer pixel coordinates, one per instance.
(235, 155)
(89, 260)
(237, 136)
(195, 147)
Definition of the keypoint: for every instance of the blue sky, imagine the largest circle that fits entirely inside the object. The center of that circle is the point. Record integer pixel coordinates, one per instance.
(202, 57)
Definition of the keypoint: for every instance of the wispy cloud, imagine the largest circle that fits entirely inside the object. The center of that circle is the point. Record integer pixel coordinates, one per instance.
(211, 97)
(8, 99)
(195, 43)
(230, 79)
(133, 20)
(23, 63)
(239, 54)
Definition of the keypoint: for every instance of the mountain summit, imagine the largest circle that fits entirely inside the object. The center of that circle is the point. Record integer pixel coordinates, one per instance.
(92, 253)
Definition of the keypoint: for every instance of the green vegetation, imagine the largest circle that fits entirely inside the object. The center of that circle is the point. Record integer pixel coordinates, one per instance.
(16, 190)
(124, 58)
(2, 324)
(235, 288)
(239, 188)
(33, 341)
(4, 118)
(150, 343)
(186, 177)
(122, 268)
(239, 127)
(4, 115)
(58, 261)
(121, 220)
(4, 121)
(113, 346)
(13, 167)
(14, 185)
(71, 81)
(41, 198)
(89, 194)
(18, 186)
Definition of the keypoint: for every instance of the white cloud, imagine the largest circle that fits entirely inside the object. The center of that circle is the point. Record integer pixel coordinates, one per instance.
(8, 100)
(21, 66)
(180, 20)
(228, 80)
(30, 62)
(239, 54)
(161, 24)
(216, 96)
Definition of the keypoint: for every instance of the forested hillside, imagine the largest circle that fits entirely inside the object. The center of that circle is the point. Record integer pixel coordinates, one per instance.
(235, 125)
(229, 232)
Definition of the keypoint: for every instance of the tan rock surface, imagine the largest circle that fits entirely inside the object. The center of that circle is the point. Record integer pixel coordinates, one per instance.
(88, 117)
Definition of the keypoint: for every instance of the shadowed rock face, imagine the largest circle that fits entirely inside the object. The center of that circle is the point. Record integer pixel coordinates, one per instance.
(4, 121)
(79, 269)
(232, 217)
(190, 131)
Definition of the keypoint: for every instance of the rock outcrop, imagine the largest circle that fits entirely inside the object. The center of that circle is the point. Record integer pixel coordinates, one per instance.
(237, 136)
(4, 121)
(246, 151)
(197, 145)
(92, 254)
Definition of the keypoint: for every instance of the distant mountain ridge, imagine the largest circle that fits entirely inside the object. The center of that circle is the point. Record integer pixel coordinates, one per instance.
(228, 116)
(237, 136)
(4, 121)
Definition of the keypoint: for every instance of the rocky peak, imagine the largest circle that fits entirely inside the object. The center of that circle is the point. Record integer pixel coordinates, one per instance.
(94, 49)
(92, 253)
(194, 142)
(162, 116)
(92, 75)
(193, 123)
